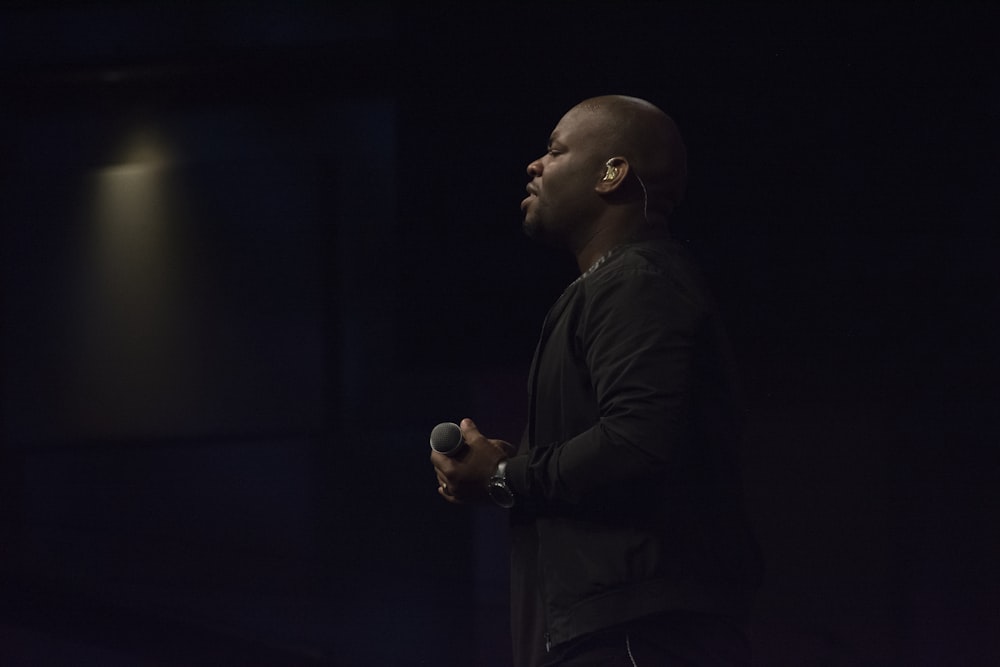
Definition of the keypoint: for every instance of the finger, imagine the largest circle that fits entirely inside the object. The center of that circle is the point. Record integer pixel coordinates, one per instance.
(445, 492)
(442, 462)
(444, 484)
(470, 431)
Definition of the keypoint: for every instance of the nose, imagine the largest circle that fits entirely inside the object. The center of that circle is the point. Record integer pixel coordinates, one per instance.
(535, 168)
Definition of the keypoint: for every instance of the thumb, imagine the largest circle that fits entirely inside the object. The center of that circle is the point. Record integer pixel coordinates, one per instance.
(469, 429)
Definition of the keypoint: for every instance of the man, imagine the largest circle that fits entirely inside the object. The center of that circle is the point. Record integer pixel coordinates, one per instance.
(629, 544)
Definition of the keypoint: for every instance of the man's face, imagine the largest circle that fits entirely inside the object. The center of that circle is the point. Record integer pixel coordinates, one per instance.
(561, 200)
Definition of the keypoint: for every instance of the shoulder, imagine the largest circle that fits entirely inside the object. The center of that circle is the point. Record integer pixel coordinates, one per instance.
(650, 272)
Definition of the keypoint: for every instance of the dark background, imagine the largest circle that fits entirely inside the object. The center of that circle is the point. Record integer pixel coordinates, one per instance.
(253, 252)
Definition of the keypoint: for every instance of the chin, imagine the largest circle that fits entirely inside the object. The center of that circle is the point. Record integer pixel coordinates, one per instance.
(540, 235)
(530, 229)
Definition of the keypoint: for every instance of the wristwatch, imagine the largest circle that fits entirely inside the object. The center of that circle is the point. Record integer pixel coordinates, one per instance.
(498, 489)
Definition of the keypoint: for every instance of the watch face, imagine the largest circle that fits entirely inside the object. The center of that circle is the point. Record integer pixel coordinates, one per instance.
(501, 495)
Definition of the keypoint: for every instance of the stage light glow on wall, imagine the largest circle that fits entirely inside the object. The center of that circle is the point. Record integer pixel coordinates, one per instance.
(132, 322)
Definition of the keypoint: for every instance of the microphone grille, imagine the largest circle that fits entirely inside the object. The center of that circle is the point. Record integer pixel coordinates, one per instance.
(446, 438)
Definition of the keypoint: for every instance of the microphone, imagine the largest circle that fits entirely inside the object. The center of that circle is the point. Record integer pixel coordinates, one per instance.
(447, 438)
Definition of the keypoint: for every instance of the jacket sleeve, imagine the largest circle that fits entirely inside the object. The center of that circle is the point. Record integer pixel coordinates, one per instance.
(639, 337)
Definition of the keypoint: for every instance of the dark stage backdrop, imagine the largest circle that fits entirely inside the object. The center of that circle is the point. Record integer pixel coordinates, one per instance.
(252, 254)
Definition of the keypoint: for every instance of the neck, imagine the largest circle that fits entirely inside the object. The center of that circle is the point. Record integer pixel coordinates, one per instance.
(610, 236)
(596, 247)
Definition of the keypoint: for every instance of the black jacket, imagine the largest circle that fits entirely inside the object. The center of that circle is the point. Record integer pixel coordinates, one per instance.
(627, 482)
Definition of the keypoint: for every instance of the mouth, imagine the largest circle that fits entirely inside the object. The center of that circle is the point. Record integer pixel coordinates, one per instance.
(532, 193)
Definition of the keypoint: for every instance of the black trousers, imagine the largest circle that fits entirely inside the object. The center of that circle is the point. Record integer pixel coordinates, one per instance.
(665, 640)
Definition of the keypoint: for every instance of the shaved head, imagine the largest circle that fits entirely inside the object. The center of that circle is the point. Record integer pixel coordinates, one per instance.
(614, 169)
(649, 140)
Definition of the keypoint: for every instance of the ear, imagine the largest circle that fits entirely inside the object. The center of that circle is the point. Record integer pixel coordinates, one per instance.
(615, 171)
